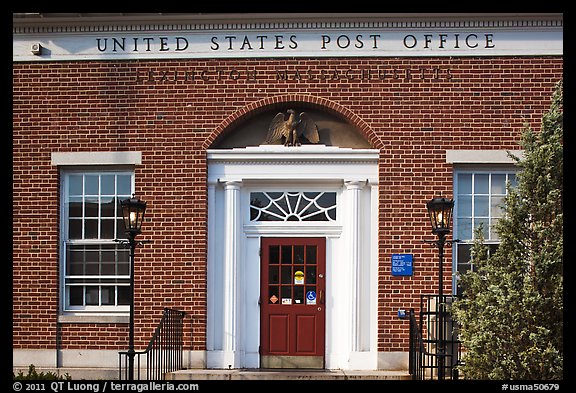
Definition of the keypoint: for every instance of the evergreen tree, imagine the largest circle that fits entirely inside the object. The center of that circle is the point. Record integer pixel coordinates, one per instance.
(511, 312)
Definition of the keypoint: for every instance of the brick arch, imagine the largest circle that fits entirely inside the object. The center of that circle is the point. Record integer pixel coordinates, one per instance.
(258, 107)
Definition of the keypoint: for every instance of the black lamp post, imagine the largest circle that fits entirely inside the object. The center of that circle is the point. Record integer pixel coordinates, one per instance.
(440, 213)
(133, 213)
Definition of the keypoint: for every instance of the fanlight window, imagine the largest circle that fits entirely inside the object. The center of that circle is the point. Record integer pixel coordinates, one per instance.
(293, 206)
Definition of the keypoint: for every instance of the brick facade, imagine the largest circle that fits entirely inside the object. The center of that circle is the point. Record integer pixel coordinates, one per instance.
(109, 106)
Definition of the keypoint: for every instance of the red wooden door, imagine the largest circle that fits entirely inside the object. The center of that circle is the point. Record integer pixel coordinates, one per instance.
(292, 302)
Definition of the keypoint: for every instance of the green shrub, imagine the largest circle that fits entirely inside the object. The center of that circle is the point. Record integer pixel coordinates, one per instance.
(34, 375)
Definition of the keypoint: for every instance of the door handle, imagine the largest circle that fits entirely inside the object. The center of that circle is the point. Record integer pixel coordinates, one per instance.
(321, 296)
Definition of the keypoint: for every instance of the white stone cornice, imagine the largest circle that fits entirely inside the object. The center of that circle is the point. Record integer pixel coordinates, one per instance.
(139, 22)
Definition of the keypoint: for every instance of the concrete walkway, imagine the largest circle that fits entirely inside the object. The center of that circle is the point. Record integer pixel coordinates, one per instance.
(292, 374)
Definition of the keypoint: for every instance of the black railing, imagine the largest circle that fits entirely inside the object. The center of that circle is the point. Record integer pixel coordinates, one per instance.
(164, 352)
(419, 360)
(425, 359)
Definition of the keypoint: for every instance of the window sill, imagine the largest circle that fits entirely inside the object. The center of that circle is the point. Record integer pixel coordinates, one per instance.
(93, 319)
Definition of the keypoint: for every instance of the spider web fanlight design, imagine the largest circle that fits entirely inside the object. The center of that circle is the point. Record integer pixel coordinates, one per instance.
(293, 206)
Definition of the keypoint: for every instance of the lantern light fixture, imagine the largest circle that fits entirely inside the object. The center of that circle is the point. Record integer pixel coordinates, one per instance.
(440, 213)
(133, 210)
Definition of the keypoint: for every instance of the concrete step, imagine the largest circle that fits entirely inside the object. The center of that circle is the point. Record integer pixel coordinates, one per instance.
(286, 374)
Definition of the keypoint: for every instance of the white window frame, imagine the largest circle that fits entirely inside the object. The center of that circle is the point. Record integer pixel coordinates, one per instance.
(65, 242)
(491, 240)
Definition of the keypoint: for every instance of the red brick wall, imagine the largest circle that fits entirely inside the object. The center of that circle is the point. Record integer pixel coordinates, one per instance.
(413, 114)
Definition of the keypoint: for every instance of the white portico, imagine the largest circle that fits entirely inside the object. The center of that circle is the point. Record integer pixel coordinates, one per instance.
(234, 241)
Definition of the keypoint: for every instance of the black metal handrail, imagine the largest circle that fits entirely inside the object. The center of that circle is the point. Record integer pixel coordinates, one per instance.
(164, 352)
(424, 357)
(419, 360)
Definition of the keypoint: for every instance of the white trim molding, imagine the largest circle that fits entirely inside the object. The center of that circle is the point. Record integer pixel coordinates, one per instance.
(97, 158)
(233, 316)
(482, 156)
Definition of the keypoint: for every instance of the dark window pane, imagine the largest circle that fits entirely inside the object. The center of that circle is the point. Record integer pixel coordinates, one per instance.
(75, 255)
(464, 253)
(258, 199)
(273, 276)
(76, 296)
(321, 216)
(75, 229)
(108, 269)
(298, 254)
(293, 201)
(286, 292)
(327, 199)
(123, 295)
(92, 294)
(332, 214)
(108, 206)
(254, 214)
(91, 229)
(75, 269)
(91, 207)
(286, 274)
(311, 275)
(108, 255)
(120, 229)
(286, 255)
(107, 229)
(311, 255)
(298, 295)
(124, 269)
(92, 255)
(309, 210)
(122, 255)
(75, 207)
(92, 269)
(108, 294)
(274, 254)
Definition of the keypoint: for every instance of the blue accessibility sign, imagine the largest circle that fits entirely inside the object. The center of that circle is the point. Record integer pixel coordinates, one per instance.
(311, 297)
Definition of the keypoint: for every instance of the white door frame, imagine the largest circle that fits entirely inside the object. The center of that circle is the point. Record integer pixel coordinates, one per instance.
(233, 284)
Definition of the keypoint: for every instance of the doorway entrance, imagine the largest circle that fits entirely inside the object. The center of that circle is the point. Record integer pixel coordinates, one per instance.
(293, 316)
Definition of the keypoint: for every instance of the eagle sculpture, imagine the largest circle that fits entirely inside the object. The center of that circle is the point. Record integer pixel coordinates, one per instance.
(292, 129)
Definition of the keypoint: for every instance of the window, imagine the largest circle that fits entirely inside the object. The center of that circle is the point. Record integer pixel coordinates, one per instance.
(479, 200)
(292, 206)
(96, 270)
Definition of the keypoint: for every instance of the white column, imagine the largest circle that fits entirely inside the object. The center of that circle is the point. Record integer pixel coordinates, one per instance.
(231, 261)
(353, 190)
(211, 270)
